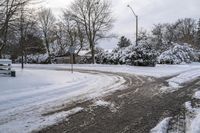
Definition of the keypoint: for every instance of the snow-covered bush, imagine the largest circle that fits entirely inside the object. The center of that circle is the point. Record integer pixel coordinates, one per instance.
(144, 55)
(86, 60)
(120, 55)
(102, 57)
(38, 59)
(140, 55)
(179, 54)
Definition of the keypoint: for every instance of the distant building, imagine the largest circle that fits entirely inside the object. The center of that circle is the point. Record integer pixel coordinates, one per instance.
(66, 59)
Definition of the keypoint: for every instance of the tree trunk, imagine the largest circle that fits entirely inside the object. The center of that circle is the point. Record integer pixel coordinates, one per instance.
(0, 53)
(93, 53)
(47, 47)
(25, 57)
(22, 62)
(4, 41)
(48, 51)
(74, 58)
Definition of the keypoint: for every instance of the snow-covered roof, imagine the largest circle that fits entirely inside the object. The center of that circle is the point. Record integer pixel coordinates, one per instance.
(83, 52)
(5, 61)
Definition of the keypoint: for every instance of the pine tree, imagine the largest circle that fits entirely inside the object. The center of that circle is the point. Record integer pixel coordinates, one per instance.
(124, 42)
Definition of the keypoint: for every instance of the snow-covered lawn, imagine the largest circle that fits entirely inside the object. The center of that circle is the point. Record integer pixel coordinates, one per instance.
(32, 93)
(180, 74)
(158, 71)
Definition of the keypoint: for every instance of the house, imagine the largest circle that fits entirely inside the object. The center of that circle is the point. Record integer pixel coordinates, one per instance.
(66, 59)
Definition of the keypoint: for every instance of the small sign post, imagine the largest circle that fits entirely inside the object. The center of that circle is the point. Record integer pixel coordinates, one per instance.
(72, 51)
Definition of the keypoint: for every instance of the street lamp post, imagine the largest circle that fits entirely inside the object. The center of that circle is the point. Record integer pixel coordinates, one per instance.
(136, 16)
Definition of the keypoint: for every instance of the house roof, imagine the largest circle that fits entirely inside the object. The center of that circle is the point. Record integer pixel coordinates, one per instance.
(81, 53)
(84, 52)
(5, 61)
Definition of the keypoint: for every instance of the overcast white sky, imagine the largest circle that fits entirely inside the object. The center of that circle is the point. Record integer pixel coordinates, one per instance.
(149, 11)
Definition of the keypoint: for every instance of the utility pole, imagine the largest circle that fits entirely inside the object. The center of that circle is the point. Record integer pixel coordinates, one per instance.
(136, 16)
(22, 35)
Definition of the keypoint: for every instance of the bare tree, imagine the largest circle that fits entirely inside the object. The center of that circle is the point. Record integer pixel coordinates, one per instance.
(170, 32)
(27, 25)
(61, 38)
(71, 30)
(81, 37)
(47, 23)
(182, 31)
(186, 29)
(8, 8)
(158, 35)
(8, 12)
(74, 32)
(95, 17)
(197, 36)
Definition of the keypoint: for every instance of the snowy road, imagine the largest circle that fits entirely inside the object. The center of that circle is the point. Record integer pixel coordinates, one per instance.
(24, 99)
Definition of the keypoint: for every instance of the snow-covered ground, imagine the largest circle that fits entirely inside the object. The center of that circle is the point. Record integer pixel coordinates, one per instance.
(162, 126)
(193, 113)
(32, 93)
(180, 74)
(193, 117)
(184, 77)
(158, 71)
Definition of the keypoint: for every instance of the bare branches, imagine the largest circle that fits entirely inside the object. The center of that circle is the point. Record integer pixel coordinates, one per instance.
(9, 10)
(47, 21)
(95, 17)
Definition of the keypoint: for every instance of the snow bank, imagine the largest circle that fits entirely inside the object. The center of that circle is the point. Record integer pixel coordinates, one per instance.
(183, 78)
(188, 106)
(192, 119)
(193, 116)
(162, 126)
(195, 128)
(197, 95)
